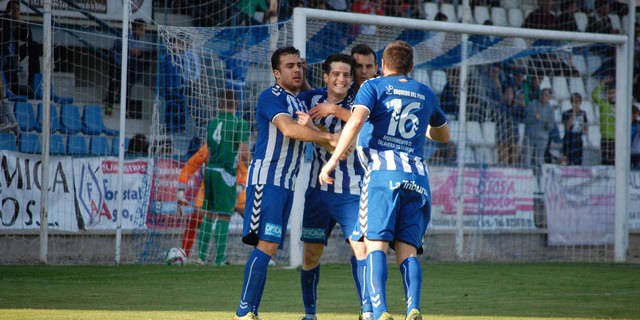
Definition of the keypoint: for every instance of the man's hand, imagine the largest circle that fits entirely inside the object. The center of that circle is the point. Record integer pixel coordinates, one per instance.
(322, 110)
(181, 201)
(304, 119)
(327, 169)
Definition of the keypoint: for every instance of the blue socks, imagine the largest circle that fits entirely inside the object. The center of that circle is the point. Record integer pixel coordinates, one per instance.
(412, 282)
(361, 286)
(309, 282)
(376, 271)
(255, 274)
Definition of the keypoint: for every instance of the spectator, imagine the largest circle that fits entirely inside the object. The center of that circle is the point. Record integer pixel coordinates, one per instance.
(635, 138)
(8, 120)
(338, 5)
(599, 22)
(509, 114)
(541, 18)
(539, 121)
(567, 20)
(179, 71)
(449, 99)
(406, 9)
(607, 109)
(12, 33)
(575, 126)
(436, 39)
(366, 7)
(138, 146)
(247, 10)
(135, 64)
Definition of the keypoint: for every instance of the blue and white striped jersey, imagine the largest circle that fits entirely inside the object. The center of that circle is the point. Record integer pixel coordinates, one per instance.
(276, 159)
(349, 172)
(394, 135)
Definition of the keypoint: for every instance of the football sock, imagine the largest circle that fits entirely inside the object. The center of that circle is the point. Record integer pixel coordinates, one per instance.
(204, 236)
(364, 292)
(376, 281)
(356, 276)
(255, 274)
(412, 281)
(309, 282)
(190, 232)
(220, 234)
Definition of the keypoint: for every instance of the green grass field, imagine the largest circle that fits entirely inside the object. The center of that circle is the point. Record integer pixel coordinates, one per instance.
(450, 291)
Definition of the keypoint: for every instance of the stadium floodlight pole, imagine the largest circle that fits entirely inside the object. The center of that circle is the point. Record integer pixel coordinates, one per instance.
(126, 6)
(46, 101)
(462, 137)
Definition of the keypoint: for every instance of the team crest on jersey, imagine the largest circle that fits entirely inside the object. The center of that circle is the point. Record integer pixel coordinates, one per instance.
(276, 90)
(389, 89)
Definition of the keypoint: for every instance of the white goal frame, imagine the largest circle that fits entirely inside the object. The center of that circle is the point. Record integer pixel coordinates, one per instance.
(624, 59)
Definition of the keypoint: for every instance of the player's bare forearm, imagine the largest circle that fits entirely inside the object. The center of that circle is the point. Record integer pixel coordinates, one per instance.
(440, 133)
(350, 131)
(243, 152)
(293, 130)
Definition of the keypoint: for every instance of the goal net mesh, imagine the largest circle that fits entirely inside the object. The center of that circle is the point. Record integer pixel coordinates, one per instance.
(538, 181)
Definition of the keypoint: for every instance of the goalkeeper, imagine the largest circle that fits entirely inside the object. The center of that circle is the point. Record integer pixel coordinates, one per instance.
(227, 137)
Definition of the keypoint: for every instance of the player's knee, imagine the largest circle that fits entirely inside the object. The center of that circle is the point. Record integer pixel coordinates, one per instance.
(267, 247)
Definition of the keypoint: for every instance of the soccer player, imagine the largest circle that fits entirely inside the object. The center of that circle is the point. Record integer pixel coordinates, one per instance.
(326, 205)
(366, 64)
(278, 153)
(227, 137)
(392, 114)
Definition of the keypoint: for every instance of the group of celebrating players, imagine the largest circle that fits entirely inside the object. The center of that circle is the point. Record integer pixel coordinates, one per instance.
(367, 172)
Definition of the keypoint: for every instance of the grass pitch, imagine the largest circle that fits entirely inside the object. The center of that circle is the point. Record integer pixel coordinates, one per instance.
(450, 291)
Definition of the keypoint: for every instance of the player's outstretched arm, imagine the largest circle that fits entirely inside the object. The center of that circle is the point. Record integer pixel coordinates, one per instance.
(350, 131)
(293, 130)
(440, 133)
(324, 109)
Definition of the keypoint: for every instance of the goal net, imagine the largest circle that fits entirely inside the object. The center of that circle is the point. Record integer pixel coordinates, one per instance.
(527, 175)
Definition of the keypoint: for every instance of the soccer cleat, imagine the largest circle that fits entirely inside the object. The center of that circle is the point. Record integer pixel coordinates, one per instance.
(197, 261)
(385, 316)
(366, 316)
(414, 314)
(309, 318)
(248, 316)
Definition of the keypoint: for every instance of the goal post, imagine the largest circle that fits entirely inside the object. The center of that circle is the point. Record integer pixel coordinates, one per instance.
(301, 16)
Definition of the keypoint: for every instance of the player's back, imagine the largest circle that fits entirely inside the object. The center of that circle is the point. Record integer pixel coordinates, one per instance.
(225, 133)
(277, 158)
(401, 109)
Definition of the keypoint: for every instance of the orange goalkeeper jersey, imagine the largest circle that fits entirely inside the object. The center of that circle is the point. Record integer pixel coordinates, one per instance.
(201, 158)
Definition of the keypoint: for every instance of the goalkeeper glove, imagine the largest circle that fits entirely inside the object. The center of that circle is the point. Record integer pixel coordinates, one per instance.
(182, 202)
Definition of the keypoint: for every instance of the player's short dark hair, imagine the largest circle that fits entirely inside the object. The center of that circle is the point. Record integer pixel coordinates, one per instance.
(275, 57)
(138, 23)
(575, 96)
(364, 50)
(338, 57)
(398, 56)
(228, 97)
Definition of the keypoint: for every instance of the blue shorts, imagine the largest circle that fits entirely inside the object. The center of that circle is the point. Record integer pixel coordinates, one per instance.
(266, 213)
(322, 209)
(394, 206)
